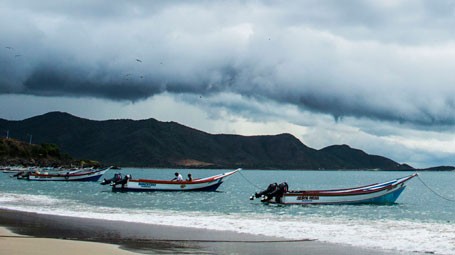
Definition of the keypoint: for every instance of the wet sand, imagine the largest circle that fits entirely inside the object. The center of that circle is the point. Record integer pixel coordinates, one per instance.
(44, 230)
(13, 244)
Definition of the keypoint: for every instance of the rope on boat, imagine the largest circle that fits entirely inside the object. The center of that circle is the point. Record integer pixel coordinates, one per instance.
(433, 191)
(250, 182)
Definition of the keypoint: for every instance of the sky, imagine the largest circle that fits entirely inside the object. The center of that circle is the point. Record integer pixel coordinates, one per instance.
(376, 75)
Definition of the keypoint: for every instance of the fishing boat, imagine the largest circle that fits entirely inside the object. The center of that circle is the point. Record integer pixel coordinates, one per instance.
(85, 175)
(204, 184)
(15, 169)
(378, 193)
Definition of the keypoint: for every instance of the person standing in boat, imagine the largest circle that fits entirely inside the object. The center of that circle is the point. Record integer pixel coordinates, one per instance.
(190, 178)
(178, 177)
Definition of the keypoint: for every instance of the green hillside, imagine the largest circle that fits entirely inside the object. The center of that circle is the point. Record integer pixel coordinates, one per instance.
(14, 152)
(152, 143)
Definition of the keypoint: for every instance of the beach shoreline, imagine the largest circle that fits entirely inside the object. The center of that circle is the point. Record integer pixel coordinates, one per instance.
(14, 244)
(138, 238)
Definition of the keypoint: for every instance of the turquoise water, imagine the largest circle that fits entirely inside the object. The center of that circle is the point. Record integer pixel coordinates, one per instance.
(419, 221)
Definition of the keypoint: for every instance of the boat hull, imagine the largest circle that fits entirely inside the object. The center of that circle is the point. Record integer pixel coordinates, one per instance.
(384, 197)
(139, 187)
(382, 193)
(205, 184)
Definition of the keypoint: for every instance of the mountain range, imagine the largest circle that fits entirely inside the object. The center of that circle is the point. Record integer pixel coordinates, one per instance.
(153, 143)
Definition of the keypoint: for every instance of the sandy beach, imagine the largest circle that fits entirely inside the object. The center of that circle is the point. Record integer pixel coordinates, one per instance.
(13, 244)
(90, 236)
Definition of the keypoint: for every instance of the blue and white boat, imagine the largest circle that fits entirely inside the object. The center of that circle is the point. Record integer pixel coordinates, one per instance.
(76, 175)
(378, 193)
(204, 184)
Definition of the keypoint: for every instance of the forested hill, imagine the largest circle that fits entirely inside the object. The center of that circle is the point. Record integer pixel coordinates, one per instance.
(152, 143)
(14, 152)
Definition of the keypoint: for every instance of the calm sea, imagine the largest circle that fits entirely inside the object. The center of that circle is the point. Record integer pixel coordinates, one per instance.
(420, 220)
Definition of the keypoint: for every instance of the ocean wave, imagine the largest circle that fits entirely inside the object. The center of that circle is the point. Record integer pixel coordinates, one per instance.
(398, 235)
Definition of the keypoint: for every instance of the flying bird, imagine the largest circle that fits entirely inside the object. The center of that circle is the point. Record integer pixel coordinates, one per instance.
(9, 48)
(17, 55)
(138, 60)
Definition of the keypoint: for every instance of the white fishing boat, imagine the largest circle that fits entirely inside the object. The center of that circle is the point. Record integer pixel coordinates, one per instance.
(14, 169)
(78, 175)
(204, 184)
(378, 193)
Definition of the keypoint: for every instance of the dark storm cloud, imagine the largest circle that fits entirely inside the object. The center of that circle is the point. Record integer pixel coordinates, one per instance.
(381, 60)
(57, 82)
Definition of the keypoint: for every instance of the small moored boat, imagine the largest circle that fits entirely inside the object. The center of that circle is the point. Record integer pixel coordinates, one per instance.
(378, 193)
(204, 184)
(78, 175)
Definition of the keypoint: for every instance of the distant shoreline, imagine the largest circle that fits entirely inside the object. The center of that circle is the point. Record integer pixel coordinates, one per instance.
(432, 169)
(119, 168)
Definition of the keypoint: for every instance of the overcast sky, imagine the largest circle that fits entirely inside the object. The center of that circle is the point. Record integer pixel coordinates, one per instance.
(377, 75)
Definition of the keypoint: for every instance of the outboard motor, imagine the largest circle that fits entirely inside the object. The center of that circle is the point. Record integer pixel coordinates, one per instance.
(18, 175)
(273, 190)
(278, 193)
(122, 181)
(265, 193)
(117, 177)
(22, 175)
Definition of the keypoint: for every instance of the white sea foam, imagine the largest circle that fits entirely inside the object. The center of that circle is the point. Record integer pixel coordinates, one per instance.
(13, 199)
(408, 236)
